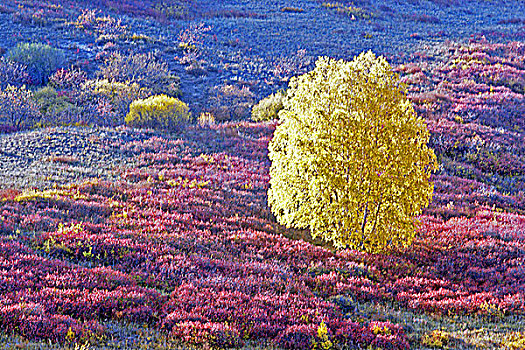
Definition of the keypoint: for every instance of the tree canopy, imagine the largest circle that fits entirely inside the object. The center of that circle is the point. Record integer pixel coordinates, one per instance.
(350, 159)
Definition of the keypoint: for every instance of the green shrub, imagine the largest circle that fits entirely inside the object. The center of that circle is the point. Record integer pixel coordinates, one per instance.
(268, 108)
(142, 69)
(118, 95)
(49, 101)
(159, 112)
(41, 60)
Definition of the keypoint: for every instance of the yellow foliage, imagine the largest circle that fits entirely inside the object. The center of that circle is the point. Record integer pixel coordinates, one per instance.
(516, 341)
(119, 95)
(140, 37)
(436, 339)
(381, 330)
(159, 111)
(268, 108)
(458, 119)
(350, 159)
(322, 335)
(36, 195)
(206, 119)
(70, 336)
(186, 183)
(113, 89)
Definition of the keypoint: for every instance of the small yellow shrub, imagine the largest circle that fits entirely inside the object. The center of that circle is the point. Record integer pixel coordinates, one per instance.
(159, 111)
(516, 342)
(206, 119)
(268, 108)
(113, 89)
(436, 339)
(324, 339)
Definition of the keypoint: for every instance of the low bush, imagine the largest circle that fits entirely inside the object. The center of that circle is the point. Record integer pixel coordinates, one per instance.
(230, 102)
(206, 119)
(159, 112)
(142, 69)
(292, 9)
(268, 108)
(12, 73)
(41, 60)
(89, 20)
(17, 108)
(353, 12)
(115, 94)
(436, 339)
(91, 102)
(67, 79)
(51, 103)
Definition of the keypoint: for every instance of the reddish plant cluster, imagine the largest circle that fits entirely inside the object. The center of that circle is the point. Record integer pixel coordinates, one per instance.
(36, 13)
(455, 196)
(482, 83)
(479, 263)
(463, 266)
(108, 26)
(183, 243)
(66, 80)
(473, 101)
(380, 335)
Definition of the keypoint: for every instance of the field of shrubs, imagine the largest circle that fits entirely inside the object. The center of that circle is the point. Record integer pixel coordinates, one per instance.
(178, 249)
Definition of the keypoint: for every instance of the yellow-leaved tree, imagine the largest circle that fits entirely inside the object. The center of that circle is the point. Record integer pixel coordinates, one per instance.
(350, 159)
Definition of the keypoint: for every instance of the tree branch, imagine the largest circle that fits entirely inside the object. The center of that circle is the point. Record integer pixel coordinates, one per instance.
(377, 212)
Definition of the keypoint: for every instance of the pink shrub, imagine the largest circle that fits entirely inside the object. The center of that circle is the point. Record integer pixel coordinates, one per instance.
(185, 243)
(298, 337)
(217, 334)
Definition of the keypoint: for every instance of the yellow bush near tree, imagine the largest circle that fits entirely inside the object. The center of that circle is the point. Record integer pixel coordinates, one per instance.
(158, 112)
(268, 108)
